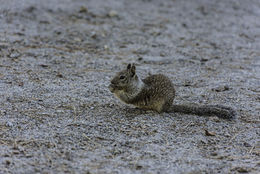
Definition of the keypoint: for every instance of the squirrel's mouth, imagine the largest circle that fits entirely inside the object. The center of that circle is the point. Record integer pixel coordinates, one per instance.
(112, 88)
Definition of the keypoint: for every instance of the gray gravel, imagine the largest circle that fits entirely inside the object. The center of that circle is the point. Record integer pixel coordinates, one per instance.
(56, 60)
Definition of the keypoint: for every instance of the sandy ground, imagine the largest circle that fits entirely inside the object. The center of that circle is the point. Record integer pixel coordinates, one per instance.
(58, 56)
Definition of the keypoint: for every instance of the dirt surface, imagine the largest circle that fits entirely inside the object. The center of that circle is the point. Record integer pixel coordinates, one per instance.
(56, 61)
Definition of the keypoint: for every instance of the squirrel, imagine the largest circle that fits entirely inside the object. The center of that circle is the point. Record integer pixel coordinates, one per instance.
(157, 92)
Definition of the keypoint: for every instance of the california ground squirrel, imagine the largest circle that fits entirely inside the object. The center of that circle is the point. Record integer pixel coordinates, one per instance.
(156, 92)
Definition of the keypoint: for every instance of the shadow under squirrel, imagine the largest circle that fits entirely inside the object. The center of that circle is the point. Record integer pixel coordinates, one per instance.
(156, 92)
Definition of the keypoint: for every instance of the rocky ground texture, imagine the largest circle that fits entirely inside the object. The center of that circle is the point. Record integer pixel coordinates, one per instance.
(57, 58)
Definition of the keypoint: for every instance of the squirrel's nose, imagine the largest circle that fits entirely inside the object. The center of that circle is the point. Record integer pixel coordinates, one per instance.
(113, 82)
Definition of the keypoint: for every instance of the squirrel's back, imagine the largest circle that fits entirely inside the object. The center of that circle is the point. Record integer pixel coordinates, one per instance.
(157, 93)
(159, 85)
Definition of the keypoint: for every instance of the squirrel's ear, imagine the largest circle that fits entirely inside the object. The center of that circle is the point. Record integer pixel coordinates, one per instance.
(133, 70)
(129, 66)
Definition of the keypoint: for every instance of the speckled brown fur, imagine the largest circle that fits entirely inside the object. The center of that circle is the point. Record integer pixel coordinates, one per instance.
(153, 95)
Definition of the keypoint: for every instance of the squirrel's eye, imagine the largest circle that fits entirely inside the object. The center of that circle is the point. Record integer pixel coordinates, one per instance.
(122, 77)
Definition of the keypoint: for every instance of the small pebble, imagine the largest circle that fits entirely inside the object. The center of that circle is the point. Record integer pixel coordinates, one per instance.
(221, 88)
(60, 111)
(246, 144)
(207, 133)
(9, 124)
(112, 13)
(83, 9)
(7, 162)
(77, 39)
(14, 55)
(105, 47)
(214, 154)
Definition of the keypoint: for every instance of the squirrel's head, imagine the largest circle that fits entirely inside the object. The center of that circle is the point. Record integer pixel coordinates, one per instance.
(123, 79)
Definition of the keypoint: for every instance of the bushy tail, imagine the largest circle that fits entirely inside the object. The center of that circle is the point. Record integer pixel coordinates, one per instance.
(205, 110)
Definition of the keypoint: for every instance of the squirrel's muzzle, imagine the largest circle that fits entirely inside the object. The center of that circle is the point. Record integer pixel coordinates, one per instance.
(111, 87)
